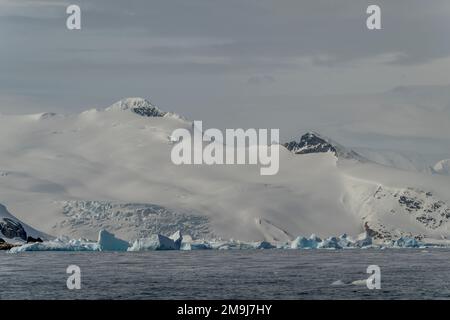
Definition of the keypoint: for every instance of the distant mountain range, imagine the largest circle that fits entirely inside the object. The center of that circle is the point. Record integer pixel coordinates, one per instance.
(111, 168)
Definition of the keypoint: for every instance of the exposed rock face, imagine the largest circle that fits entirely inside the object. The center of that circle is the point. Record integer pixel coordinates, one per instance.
(312, 142)
(139, 106)
(12, 229)
(5, 245)
(369, 232)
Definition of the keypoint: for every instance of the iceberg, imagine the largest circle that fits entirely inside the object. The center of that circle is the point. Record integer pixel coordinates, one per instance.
(201, 245)
(59, 244)
(240, 245)
(330, 243)
(177, 238)
(362, 282)
(303, 243)
(263, 245)
(338, 283)
(345, 241)
(363, 240)
(108, 242)
(406, 242)
(155, 242)
(228, 245)
(188, 244)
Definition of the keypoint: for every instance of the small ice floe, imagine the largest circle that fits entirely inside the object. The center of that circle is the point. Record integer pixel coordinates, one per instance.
(360, 282)
(338, 283)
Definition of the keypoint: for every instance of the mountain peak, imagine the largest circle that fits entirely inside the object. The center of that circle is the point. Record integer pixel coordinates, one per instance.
(310, 142)
(313, 142)
(139, 106)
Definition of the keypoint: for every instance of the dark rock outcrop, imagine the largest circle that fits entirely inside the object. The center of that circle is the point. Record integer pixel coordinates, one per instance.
(6, 245)
(32, 240)
(312, 142)
(12, 229)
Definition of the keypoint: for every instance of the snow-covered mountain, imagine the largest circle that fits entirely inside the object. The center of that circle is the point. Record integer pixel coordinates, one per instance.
(110, 168)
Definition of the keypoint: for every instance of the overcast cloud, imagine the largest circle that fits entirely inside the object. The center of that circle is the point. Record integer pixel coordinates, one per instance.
(295, 64)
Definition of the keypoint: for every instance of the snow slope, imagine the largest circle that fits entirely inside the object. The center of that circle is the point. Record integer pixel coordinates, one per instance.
(410, 161)
(76, 174)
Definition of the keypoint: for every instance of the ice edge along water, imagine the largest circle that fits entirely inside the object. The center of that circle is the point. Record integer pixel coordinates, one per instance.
(108, 242)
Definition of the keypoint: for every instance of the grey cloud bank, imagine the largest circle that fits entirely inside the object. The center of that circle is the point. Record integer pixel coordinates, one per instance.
(289, 64)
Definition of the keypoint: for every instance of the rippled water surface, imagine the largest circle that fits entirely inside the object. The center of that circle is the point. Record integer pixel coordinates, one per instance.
(253, 274)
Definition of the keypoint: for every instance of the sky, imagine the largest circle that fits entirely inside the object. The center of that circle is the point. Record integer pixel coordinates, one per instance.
(289, 64)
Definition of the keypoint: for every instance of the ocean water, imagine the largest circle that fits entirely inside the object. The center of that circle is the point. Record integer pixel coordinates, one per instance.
(253, 274)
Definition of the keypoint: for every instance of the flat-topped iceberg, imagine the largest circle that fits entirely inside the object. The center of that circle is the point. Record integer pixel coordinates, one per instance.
(154, 242)
(108, 242)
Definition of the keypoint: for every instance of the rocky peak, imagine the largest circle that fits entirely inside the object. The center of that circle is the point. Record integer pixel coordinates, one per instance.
(312, 142)
(139, 106)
